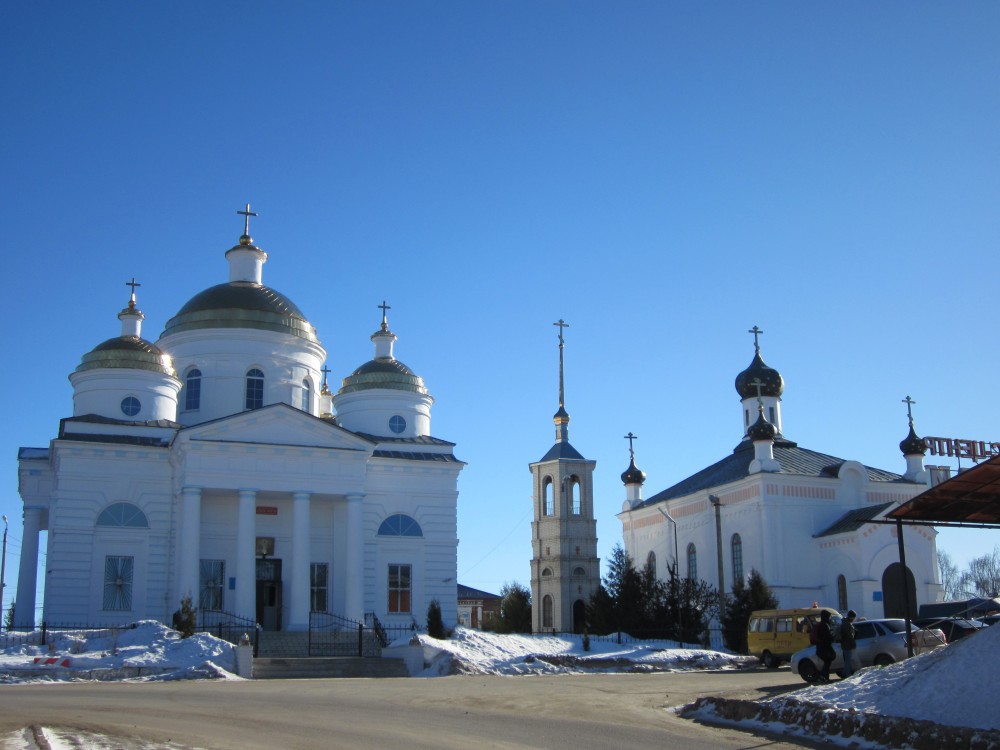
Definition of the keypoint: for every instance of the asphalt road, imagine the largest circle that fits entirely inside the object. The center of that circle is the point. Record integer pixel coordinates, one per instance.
(444, 713)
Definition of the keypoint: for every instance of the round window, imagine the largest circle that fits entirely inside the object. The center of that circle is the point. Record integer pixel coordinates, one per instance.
(397, 424)
(130, 406)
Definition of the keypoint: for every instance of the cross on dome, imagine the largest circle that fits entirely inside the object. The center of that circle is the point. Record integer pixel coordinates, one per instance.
(384, 307)
(562, 324)
(909, 408)
(756, 332)
(630, 437)
(133, 283)
(246, 214)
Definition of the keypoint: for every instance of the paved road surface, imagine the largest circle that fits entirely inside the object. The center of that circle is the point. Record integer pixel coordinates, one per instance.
(446, 713)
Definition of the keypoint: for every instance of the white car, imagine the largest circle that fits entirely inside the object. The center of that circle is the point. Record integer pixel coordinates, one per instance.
(880, 642)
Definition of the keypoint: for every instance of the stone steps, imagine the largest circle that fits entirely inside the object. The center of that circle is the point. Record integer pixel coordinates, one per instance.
(327, 667)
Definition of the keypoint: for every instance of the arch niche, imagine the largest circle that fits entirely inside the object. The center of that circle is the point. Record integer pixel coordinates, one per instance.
(893, 599)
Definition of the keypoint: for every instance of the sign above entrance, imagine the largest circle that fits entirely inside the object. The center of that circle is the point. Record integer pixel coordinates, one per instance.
(265, 545)
(974, 449)
(267, 510)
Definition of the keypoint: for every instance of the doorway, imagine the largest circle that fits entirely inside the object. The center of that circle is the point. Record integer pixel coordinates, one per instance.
(269, 593)
(894, 596)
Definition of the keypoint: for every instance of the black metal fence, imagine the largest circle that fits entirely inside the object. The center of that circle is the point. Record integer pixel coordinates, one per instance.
(49, 632)
(333, 635)
(229, 627)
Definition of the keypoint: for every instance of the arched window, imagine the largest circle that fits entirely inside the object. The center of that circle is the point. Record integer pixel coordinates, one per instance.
(255, 389)
(842, 594)
(651, 561)
(692, 562)
(549, 508)
(192, 390)
(547, 572)
(574, 495)
(400, 525)
(123, 515)
(306, 396)
(579, 572)
(737, 544)
(547, 611)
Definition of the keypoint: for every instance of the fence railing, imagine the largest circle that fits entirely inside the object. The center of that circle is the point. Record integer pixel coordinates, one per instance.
(333, 635)
(47, 632)
(229, 627)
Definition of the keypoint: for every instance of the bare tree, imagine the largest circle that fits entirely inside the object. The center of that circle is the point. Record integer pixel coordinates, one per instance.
(983, 575)
(951, 579)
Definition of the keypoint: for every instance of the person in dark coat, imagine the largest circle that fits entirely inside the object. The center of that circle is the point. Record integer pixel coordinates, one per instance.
(824, 645)
(848, 642)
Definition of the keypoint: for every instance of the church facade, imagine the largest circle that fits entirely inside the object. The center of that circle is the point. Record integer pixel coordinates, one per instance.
(217, 463)
(805, 520)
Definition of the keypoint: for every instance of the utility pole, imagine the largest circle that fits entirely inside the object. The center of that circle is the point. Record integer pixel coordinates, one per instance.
(718, 546)
(3, 568)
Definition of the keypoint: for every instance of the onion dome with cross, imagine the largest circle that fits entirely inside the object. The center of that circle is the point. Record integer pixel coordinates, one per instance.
(383, 396)
(913, 448)
(126, 377)
(772, 382)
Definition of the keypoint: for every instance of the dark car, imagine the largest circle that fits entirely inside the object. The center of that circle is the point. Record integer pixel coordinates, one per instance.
(952, 627)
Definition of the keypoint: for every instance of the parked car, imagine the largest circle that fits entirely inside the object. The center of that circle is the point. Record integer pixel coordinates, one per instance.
(990, 619)
(880, 642)
(952, 627)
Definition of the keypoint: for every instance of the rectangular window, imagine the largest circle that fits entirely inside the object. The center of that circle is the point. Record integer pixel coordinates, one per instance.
(399, 588)
(118, 583)
(212, 577)
(319, 574)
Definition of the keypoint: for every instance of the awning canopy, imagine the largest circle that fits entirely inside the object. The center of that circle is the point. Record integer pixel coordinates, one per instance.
(971, 498)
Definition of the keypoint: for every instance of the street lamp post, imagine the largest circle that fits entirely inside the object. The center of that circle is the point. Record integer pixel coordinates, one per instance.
(677, 576)
(3, 568)
(718, 545)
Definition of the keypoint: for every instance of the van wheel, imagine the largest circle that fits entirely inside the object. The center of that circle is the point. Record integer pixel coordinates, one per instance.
(884, 660)
(769, 660)
(808, 671)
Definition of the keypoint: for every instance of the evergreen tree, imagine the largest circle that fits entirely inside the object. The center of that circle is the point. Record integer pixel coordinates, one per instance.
(185, 620)
(8, 621)
(693, 604)
(515, 609)
(745, 598)
(435, 624)
(601, 612)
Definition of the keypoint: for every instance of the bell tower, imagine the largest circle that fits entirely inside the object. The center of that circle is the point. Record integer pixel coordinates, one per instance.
(565, 569)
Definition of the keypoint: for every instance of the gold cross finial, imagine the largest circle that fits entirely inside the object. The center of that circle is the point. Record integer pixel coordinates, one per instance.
(246, 214)
(133, 283)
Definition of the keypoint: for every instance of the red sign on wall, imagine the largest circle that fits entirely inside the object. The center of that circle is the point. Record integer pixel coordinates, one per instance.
(266, 510)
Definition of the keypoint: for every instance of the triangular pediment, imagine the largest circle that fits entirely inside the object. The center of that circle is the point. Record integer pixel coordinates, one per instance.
(278, 424)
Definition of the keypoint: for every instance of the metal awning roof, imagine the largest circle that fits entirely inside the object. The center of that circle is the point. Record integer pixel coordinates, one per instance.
(971, 498)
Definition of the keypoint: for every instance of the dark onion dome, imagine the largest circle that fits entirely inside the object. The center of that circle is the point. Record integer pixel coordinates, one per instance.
(772, 384)
(632, 475)
(129, 352)
(912, 445)
(761, 429)
(242, 304)
(383, 372)
(561, 416)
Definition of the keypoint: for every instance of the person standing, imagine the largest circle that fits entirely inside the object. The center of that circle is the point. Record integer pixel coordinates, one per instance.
(824, 645)
(848, 642)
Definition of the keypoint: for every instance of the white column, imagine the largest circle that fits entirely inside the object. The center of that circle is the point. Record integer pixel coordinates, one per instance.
(190, 545)
(298, 606)
(354, 595)
(246, 567)
(27, 575)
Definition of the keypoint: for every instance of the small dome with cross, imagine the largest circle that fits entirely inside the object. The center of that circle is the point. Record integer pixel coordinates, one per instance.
(771, 382)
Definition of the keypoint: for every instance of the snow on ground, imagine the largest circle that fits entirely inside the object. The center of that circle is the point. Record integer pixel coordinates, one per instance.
(952, 686)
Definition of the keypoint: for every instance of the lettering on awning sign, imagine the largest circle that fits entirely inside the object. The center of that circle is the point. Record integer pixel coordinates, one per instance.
(977, 450)
(267, 510)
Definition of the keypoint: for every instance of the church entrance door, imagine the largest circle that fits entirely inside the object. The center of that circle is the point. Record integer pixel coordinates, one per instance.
(269, 593)
(579, 616)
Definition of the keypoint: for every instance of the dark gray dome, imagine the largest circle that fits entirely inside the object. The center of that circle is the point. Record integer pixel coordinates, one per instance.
(632, 475)
(772, 384)
(241, 304)
(912, 445)
(127, 352)
(761, 429)
(383, 372)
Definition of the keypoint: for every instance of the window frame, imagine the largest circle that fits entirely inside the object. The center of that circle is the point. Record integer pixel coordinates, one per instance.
(119, 575)
(692, 561)
(210, 590)
(192, 390)
(399, 589)
(253, 389)
(736, 547)
(319, 587)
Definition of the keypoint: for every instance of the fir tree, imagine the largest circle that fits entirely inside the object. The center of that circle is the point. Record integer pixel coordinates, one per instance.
(745, 598)
(435, 624)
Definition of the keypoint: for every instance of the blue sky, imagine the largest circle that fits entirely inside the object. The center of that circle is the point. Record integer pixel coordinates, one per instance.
(663, 176)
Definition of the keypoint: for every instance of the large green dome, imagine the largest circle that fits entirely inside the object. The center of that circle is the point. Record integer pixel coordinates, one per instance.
(241, 304)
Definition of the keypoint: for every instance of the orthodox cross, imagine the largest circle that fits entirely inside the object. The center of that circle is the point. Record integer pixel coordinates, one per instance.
(133, 283)
(756, 332)
(246, 214)
(383, 307)
(758, 383)
(630, 437)
(562, 324)
(909, 408)
(326, 371)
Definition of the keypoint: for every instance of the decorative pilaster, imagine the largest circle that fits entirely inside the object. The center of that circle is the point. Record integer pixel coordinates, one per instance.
(246, 567)
(190, 545)
(298, 605)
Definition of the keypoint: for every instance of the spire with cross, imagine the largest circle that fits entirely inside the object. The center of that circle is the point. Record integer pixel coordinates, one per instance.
(630, 437)
(133, 283)
(756, 341)
(326, 371)
(384, 307)
(246, 239)
(562, 344)
(909, 409)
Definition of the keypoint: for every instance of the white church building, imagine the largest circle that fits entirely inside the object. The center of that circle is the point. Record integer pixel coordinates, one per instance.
(217, 463)
(805, 520)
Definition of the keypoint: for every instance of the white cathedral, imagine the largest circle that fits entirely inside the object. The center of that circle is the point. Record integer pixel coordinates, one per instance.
(216, 463)
(806, 521)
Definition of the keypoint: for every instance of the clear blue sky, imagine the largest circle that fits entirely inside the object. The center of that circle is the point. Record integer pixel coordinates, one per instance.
(663, 176)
